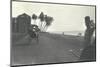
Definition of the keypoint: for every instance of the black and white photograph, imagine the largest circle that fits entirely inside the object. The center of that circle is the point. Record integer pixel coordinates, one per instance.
(52, 33)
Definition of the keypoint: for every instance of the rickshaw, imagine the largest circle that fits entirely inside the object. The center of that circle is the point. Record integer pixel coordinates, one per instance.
(34, 32)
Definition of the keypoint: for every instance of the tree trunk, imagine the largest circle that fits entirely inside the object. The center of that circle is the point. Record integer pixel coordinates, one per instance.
(35, 21)
(43, 26)
(45, 29)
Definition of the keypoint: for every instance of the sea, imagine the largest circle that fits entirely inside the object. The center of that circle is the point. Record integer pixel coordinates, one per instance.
(75, 33)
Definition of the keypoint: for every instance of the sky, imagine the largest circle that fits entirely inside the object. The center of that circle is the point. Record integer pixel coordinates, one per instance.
(66, 17)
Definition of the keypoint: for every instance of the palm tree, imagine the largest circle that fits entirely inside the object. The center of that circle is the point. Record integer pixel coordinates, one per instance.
(90, 27)
(48, 21)
(44, 23)
(41, 17)
(34, 17)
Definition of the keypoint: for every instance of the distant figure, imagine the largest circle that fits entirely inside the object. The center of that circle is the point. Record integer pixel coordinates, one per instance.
(90, 26)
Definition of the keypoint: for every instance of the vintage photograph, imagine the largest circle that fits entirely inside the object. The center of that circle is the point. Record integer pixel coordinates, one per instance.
(50, 33)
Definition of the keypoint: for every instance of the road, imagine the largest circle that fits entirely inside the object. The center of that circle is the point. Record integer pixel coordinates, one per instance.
(51, 48)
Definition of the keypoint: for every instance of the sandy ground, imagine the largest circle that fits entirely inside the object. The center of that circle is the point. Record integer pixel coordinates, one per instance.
(51, 48)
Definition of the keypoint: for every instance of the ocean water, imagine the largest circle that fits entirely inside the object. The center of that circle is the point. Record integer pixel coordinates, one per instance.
(75, 33)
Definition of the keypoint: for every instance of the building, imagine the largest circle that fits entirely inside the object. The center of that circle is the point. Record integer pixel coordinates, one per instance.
(23, 23)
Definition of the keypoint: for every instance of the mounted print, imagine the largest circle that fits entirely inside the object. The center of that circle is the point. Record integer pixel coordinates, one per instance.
(52, 33)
